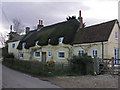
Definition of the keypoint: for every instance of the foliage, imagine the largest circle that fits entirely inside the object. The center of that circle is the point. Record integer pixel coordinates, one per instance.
(18, 27)
(10, 36)
(81, 64)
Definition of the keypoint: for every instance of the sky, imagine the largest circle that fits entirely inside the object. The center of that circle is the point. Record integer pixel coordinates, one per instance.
(54, 11)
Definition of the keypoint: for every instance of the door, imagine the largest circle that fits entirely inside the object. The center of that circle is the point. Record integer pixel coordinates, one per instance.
(43, 56)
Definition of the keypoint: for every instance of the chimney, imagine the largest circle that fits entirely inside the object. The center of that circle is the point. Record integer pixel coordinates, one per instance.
(11, 28)
(27, 29)
(81, 19)
(40, 25)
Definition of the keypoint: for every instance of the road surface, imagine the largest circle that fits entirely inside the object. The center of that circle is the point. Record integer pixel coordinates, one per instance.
(15, 79)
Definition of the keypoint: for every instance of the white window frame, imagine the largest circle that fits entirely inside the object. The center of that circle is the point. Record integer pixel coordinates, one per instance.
(23, 45)
(20, 55)
(13, 44)
(61, 57)
(61, 40)
(94, 53)
(80, 50)
(116, 35)
(117, 53)
(49, 40)
(49, 54)
(36, 43)
(35, 55)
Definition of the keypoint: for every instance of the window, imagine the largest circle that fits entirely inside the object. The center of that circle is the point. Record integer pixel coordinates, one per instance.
(23, 45)
(21, 55)
(116, 35)
(61, 40)
(80, 52)
(116, 53)
(94, 53)
(13, 45)
(61, 55)
(36, 43)
(37, 54)
(49, 40)
(49, 54)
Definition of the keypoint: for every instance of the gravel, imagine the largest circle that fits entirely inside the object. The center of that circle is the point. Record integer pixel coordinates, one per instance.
(88, 81)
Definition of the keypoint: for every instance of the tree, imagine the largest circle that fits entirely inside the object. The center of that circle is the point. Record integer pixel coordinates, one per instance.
(18, 26)
(3, 38)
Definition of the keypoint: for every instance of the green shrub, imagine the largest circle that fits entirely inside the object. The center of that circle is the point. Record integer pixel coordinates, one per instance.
(81, 64)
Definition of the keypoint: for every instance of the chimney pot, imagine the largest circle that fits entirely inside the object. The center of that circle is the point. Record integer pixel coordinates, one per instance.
(80, 13)
(39, 22)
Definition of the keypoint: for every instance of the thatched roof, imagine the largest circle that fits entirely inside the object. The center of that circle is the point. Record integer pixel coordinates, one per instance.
(66, 29)
(71, 33)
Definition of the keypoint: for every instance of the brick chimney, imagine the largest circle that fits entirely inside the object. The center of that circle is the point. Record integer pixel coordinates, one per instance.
(40, 25)
(81, 19)
(27, 29)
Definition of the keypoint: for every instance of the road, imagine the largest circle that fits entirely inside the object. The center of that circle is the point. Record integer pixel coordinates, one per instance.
(15, 79)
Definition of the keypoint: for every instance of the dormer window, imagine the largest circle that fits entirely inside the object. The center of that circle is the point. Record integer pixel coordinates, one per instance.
(61, 40)
(49, 40)
(36, 43)
(23, 45)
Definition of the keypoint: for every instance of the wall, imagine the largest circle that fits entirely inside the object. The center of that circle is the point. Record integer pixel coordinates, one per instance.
(29, 53)
(13, 50)
(88, 47)
(112, 42)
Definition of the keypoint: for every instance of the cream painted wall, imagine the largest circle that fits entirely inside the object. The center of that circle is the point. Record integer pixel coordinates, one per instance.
(29, 53)
(88, 47)
(13, 50)
(112, 42)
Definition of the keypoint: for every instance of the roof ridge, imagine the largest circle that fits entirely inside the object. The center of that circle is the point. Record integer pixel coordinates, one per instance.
(101, 23)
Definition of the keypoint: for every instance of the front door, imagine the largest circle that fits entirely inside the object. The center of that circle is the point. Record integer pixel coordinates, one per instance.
(43, 56)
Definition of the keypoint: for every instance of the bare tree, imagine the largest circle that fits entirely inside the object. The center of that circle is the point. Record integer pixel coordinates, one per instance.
(3, 38)
(18, 26)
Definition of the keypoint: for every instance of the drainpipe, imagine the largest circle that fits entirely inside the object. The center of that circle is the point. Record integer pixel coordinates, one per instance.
(102, 50)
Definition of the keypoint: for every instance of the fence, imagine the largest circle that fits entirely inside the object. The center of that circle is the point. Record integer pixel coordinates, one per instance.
(111, 66)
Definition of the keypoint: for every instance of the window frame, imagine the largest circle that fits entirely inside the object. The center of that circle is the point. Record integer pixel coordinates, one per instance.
(94, 53)
(21, 53)
(35, 54)
(49, 54)
(23, 45)
(59, 56)
(116, 35)
(36, 43)
(61, 40)
(13, 44)
(80, 50)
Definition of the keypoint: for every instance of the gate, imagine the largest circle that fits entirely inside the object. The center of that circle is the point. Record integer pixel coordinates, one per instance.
(111, 66)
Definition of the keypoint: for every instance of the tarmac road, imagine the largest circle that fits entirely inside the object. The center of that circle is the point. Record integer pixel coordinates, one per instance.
(15, 79)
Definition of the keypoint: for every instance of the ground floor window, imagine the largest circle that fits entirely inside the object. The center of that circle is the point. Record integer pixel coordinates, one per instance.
(80, 52)
(116, 53)
(21, 55)
(61, 55)
(37, 54)
(94, 53)
(49, 54)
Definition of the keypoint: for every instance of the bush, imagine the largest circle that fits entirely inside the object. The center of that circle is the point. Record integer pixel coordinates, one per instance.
(81, 64)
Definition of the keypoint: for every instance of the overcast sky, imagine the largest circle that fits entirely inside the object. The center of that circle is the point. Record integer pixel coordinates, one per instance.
(93, 11)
